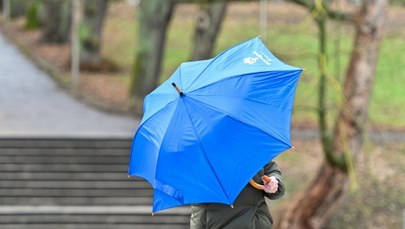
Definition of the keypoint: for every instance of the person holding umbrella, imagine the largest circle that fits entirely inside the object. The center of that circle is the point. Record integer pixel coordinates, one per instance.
(249, 210)
(209, 128)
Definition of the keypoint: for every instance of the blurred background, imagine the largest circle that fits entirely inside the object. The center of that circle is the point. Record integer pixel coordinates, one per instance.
(73, 76)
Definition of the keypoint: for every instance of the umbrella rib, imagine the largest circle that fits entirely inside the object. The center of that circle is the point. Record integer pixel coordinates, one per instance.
(253, 100)
(139, 128)
(218, 109)
(232, 77)
(205, 155)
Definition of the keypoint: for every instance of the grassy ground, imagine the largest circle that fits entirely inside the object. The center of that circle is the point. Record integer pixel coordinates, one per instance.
(293, 38)
(375, 201)
(378, 200)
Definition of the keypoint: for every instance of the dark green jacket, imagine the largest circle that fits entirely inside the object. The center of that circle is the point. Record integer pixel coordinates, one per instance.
(249, 211)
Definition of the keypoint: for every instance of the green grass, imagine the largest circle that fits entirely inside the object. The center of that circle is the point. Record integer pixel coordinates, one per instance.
(376, 202)
(380, 199)
(120, 41)
(295, 44)
(388, 101)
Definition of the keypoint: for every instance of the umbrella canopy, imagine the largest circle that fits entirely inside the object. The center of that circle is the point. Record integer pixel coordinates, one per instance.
(229, 116)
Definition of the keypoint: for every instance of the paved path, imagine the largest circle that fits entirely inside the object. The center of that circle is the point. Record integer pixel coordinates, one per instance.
(32, 104)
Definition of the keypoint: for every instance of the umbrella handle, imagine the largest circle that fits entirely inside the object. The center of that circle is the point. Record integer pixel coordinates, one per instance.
(259, 186)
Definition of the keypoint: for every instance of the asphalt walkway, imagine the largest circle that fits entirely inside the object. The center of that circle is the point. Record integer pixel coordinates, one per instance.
(33, 105)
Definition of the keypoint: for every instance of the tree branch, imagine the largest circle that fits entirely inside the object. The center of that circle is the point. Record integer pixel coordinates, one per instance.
(307, 4)
(333, 14)
(340, 16)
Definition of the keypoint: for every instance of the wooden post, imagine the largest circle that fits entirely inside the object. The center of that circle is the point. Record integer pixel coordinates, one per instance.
(263, 20)
(75, 42)
(6, 10)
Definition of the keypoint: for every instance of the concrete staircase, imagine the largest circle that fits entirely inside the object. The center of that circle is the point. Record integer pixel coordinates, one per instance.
(75, 183)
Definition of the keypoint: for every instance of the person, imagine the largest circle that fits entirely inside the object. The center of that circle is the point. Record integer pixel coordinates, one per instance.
(249, 210)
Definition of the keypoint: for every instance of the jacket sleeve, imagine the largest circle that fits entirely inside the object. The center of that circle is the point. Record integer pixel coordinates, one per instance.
(198, 219)
(272, 169)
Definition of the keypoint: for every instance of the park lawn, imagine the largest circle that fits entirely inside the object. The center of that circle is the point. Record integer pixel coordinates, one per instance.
(388, 100)
(374, 200)
(292, 40)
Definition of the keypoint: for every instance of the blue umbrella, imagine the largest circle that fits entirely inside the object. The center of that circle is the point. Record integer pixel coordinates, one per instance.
(213, 125)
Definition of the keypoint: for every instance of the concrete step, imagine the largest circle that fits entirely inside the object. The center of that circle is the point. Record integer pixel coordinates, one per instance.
(77, 200)
(101, 225)
(15, 151)
(48, 143)
(58, 167)
(73, 184)
(115, 216)
(72, 192)
(52, 159)
(68, 175)
(76, 183)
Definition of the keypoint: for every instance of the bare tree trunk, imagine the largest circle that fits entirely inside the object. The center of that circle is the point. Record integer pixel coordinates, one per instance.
(207, 26)
(312, 208)
(6, 10)
(92, 26)
(154, 18)
(16, 8)
(57, 25)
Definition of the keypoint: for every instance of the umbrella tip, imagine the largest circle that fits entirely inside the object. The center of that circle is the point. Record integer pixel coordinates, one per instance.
(231, 205)
(292, 147)
(177, 89)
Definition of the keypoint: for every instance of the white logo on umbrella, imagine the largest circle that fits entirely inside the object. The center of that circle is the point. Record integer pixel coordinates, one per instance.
(250, 60)
(253, 60)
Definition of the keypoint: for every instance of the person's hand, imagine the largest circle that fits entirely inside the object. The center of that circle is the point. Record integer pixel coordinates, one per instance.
(270, 186)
